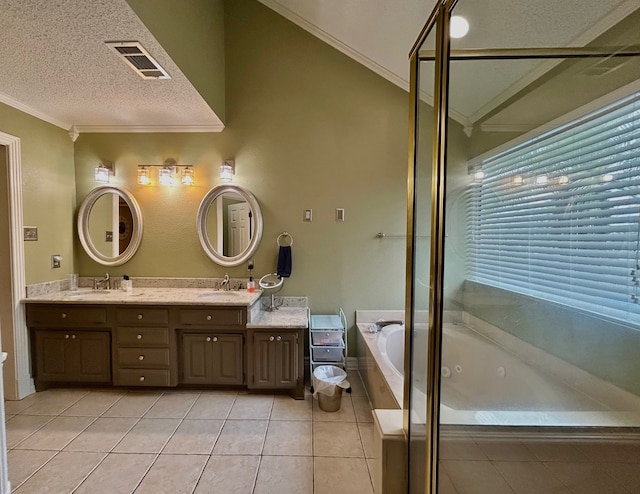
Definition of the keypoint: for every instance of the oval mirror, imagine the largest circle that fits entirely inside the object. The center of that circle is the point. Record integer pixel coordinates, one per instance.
(110, 225)
(229, 224)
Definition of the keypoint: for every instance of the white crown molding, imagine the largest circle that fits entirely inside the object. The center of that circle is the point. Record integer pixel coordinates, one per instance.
(337, 44)
(506, 127)
(86, 129)
(19, 105)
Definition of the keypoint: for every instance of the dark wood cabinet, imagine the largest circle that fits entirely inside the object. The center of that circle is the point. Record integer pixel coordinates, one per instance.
(72, 356)
(275, 360)
(212, 358)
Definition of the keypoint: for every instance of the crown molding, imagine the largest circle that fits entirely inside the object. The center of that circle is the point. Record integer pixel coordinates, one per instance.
(19, 105)
(506, 127)
(133, 129)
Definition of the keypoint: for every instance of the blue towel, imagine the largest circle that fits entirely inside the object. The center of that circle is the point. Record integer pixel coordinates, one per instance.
(284, 261)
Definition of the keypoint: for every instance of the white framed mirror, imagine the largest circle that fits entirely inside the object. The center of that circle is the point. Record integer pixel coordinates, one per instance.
(110, 225)
(229, 224)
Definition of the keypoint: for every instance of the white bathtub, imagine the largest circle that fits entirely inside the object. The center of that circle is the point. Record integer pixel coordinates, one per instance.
(482, 383)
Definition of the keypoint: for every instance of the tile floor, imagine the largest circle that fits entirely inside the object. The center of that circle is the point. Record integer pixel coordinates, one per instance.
(181, 441)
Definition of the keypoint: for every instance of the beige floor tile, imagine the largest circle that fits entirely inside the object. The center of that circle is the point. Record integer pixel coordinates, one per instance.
(56, 434)
(54, 401)
(460, 449)
(118, 473)
(14, 407)
(585, 478)
(22, 426)
(292, 438)
(253, 407)
(194, 437)
(228, 475)
(23, 463)
(366, 436)
(602, 451)
(336, 439)
(345, 414)
(173, 474)
(476, 477)
(528, 477)
(94, 403)
(212, 405)
(285, 474)
(362, 408)
(357, 386)
(341, 476)
(286, 408)
(133, 404)
(62, 474)
(627, 474)
(102, 435)
(445, 485)
(148, 436)
(547, 450)
(505, 449)
(173, 405)
(241, 437)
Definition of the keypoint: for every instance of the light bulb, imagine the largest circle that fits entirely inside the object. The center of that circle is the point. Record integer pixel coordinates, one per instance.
(458, 27)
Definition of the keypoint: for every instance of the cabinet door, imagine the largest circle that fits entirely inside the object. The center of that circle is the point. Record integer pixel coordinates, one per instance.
(228, 361)
(197, 354)
(92, 362)
(264, 358)
(53, 355)
(286, 361)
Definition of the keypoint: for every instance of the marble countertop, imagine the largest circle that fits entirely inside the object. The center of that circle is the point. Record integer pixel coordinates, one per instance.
(284, 317)
(150, 296)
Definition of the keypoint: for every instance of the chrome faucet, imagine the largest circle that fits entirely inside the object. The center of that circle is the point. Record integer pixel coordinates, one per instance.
(225, 283)
(104, 283)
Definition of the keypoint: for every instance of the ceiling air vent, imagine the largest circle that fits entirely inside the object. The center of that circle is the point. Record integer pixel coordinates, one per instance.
(138, 59)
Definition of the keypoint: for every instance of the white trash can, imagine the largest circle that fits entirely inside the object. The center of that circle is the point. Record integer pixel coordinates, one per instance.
(329, 382)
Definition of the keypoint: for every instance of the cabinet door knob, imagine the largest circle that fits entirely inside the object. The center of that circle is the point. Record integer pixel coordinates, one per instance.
(139, 336)
(64, 315)
(279, 338)
(215, 338)
(141, 378)
(208, 318)
(271, 338)
(66, 336)
(140, 316)
(73, 337)
(141, 357)
(208, 338)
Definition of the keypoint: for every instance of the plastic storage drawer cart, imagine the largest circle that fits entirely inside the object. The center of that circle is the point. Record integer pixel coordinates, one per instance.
(327, 341)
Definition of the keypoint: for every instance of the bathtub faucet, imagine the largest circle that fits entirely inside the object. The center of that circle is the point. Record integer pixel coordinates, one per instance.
(377, 326)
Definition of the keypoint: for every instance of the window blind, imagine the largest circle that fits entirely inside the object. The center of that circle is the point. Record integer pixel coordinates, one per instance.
(558, 216)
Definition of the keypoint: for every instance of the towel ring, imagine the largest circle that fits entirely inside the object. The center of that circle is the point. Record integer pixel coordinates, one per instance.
(284, 234)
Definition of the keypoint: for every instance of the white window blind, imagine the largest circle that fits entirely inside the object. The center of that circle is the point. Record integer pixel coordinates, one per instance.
(558, 216)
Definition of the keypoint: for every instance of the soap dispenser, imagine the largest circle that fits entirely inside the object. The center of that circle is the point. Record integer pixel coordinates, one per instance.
(251, 285)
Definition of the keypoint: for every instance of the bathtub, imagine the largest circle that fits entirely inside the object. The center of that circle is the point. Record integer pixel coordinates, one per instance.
(483, 383)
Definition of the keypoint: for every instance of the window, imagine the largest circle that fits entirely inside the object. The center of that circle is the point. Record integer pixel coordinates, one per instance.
(558, 216)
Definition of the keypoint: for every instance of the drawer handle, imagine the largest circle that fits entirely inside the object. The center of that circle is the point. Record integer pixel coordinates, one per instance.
(208, 338)
(215, 338)
(141, 378)
(64, 315)
(208, 318)
(279, 338)
(141, 357)
(73, 337)
(140, 316)
(139, 336)
(271, 338)
(66, 337)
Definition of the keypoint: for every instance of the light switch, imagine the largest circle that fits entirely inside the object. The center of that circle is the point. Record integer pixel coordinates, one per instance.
(308, 215)
(108, 236)
(30, 233)
(339, 214)
(56, 261)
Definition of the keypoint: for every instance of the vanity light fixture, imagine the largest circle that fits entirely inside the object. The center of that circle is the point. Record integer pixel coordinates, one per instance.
(187, 176)
(227, 170)
(143, 175)
(168, 173)
(458, 26)
(103, 171)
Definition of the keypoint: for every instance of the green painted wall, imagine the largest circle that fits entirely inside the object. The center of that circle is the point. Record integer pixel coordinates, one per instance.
(308, 128)
(192, 33)
(48, 187)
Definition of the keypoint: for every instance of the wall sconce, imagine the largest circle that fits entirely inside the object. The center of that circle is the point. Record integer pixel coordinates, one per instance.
(227, 170)
(167, 175)
(103, 171)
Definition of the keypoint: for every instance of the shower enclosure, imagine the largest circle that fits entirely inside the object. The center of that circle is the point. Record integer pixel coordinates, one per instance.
(523, 267)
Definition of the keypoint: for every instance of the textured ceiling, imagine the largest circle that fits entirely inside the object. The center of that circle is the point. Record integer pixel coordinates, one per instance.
(55, 64)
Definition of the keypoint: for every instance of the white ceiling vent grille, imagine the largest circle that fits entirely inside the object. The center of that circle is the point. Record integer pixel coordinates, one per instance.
(138, 59)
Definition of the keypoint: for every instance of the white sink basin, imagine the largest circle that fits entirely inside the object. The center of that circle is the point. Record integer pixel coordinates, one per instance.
(219, 294)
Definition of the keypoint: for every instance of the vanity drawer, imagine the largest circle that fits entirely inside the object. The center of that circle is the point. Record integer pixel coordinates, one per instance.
(158, 317)
(212, 317)
(143, 357)
(142, 377)
(142, 336)
(63, 315)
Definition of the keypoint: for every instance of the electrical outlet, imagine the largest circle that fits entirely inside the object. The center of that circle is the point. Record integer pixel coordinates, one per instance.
(30, 233)
(108, 236)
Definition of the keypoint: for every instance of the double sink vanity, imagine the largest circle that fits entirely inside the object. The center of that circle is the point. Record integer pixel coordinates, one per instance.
(165, 337)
